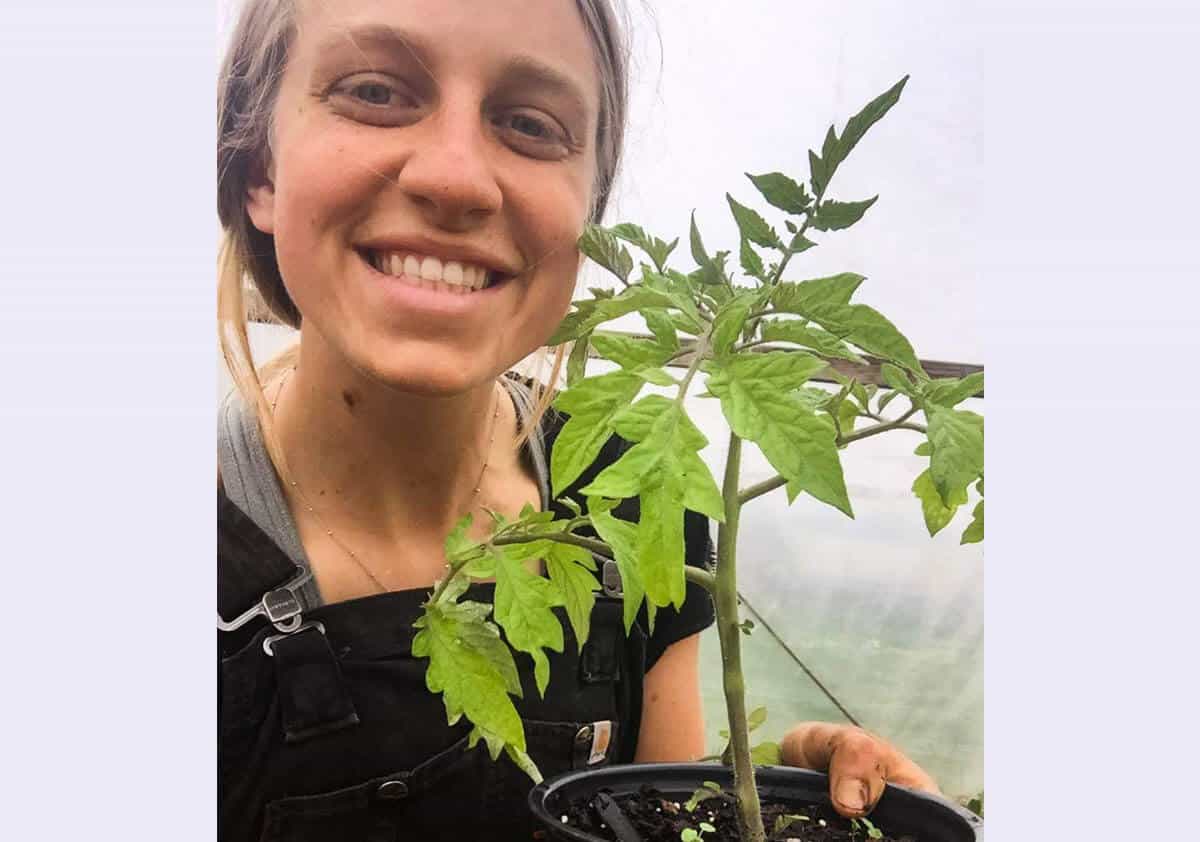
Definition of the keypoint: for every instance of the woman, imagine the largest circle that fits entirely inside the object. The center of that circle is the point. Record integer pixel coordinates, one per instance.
(405, 182)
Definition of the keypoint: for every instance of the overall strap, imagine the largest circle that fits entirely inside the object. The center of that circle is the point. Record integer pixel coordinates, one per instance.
(258, 584)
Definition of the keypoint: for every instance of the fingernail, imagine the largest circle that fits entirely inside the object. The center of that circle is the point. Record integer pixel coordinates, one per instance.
(851, 794)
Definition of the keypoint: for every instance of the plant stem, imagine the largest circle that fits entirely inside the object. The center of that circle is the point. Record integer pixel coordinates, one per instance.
(700, 577)
(561, 537)
(725, 599)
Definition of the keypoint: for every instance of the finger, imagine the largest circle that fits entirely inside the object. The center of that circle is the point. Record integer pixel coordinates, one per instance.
(857, 772)
(855, 760)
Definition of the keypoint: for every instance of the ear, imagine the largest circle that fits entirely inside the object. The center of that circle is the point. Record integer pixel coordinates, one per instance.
(260, 197)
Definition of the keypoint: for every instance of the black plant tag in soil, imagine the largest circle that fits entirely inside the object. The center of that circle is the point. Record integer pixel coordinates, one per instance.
(657, 818)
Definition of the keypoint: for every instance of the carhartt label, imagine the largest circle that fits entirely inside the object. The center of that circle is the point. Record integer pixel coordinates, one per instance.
(601, 737)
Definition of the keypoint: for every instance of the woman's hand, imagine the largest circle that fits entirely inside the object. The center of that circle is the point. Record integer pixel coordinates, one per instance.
(859, 764)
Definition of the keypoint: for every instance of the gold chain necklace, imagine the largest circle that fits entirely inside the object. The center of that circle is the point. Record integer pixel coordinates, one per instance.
(329, 532)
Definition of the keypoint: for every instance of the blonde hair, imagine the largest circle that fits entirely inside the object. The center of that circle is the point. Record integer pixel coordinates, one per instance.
(248, 87)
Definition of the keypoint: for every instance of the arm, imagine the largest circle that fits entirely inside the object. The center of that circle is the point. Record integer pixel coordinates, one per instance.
(672, 713)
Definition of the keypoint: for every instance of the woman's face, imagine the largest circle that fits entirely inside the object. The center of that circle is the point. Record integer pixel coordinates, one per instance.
(422, 149)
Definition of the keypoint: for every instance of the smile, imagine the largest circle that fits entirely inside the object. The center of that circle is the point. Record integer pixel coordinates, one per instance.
(431, 272)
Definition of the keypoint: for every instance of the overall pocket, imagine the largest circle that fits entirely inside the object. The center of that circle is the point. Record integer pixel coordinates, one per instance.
(435, 800)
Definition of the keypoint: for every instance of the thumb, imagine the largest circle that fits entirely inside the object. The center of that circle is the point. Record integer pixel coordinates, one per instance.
(853, 758)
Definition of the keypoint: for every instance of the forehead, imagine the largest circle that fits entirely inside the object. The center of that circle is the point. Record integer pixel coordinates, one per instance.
(532, 36)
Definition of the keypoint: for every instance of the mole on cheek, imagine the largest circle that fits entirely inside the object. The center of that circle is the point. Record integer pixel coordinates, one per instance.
(349, 398)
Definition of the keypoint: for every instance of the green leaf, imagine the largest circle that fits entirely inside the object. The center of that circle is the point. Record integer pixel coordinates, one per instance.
(591, 313)
(885, 399)
(973, 534)
(660, 325)
(798, 333)
(834, 216)
(629, 351)
(937, 513)
(524, 607)
(730, 320)
(457, 544)
(751, 263)
(766, 754)
(707, 828)
(473, 669)
(621, 536)
(665, 471)
(591, 403)
(949, 392)
(658, 250)
(571, 570)
(602, 247)
(826, 302)
(857, 125)
(834, 150)
(783, 822)
(898, 380)
(689, 834)
(753, 227)
(577, 361)
(523, 762)
(924, 449)
(698, 252)
(756, 718)
(782, 192)
(957, 439)
(830, 291)
(758, 400)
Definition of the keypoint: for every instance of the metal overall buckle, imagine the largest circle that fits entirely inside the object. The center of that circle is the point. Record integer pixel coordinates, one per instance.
(281, 606)
(610, 579)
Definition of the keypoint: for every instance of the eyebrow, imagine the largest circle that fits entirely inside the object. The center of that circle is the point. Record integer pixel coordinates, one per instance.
(520, 69)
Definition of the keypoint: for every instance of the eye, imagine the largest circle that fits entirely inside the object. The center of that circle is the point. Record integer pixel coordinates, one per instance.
(534, 134)
(374, 98)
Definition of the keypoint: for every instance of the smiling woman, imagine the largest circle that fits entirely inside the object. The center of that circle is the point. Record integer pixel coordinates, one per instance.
(405, 184)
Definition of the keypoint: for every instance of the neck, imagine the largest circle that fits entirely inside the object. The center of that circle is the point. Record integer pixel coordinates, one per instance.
(374, 460)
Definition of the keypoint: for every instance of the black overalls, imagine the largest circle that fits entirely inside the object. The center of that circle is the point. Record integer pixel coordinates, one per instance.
(327, 731)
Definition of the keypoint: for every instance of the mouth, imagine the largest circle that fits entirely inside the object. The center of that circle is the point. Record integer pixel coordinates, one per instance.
(432, 273)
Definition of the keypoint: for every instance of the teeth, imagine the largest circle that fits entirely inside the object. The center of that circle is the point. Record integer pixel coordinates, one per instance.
(431, 272)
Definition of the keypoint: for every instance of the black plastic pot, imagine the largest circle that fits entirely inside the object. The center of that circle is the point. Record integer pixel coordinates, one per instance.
(929, 817)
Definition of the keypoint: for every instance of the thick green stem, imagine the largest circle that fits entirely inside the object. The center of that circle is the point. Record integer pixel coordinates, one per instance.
(726, 601)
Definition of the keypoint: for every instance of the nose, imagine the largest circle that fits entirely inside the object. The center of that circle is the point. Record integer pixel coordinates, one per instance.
(449, 174)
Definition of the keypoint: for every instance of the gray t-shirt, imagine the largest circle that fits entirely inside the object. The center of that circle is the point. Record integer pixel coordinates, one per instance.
(253, 486)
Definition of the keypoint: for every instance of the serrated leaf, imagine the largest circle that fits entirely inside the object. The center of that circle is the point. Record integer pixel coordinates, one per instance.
(665, 471)
(923, 449)
(621, 536)
(629, 351)
(752, 226)
(826, 302)
(871, 113)
(698, 253)
(758, 400)
(800, 244)
(659, 324)
(591, 313)
(973, 534)
(782, 192)
(937, 513)
(729, 321)
(766, 754)
(523, 762)
(956, 436)
(798, 333)
(885, 400)
(847, 414)
(832, 290)
(658, 250)
(949, 392)
(834, 216)
(898, 380)
(602, 247)
(524, 607)
(570, 569)
(473, 669)
(457, 544)
(819, 172)
(591, 404)
(577, 360)
(751, 263)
